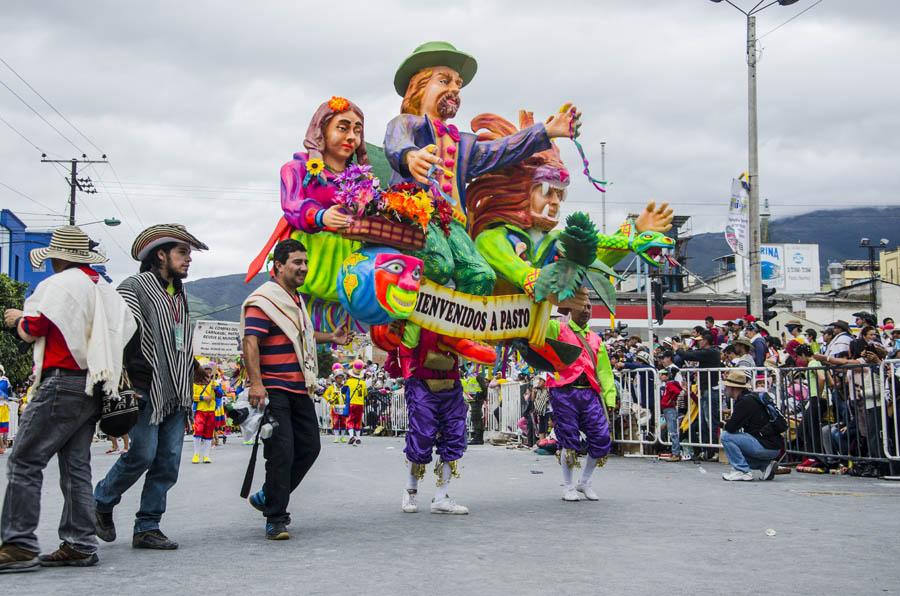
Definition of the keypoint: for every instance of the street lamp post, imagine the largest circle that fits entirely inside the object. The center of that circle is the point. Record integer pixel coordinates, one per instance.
(756, 305)
(867, 244)
(109, 221)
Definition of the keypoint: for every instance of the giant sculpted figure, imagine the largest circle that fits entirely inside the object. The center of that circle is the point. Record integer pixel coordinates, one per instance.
(421, 145)
(514, 217)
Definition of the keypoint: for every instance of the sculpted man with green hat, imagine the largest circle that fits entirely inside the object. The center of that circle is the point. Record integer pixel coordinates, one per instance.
(422, 146)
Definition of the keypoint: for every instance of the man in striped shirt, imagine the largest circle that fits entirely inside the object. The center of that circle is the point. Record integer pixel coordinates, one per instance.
(279, 353)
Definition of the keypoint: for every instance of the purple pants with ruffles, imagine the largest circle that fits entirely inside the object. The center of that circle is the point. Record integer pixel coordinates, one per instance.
(575, 409)
(435, 420)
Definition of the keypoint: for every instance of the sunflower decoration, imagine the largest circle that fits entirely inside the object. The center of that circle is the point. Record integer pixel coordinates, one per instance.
(577, 265)
(314, 169)
(338, 104)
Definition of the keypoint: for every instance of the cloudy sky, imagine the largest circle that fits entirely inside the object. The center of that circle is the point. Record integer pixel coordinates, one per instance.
(198, 104)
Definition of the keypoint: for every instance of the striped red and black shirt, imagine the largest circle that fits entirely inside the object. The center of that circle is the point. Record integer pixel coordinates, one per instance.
(278, 361)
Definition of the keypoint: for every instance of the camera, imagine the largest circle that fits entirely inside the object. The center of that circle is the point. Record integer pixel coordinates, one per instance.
(268, 427)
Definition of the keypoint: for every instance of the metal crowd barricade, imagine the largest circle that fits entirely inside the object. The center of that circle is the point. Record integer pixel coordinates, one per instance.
(636, 420)
(838, 413)
(323, 413)
(492, 406)
(511, 410)
(398, 417)
(705, 404)
(377, 409)
(890, 374)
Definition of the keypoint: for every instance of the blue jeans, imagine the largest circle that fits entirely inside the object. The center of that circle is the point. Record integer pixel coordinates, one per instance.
(745, 451)
(155, 450)
(709, 414)
(671, 416)
(60, 421)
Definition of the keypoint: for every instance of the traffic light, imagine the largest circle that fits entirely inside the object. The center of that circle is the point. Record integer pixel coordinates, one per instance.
(659, 302)
(768, 302)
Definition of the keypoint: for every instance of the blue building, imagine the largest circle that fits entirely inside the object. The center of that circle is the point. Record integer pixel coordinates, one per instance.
(16, 242)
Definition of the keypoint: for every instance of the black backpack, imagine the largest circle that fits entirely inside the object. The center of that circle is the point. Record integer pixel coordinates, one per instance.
(778, 424)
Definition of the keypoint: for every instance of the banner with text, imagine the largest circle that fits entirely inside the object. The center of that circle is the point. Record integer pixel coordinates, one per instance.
(737, 231)
(790, 268)
(486, 318)
(217, 338)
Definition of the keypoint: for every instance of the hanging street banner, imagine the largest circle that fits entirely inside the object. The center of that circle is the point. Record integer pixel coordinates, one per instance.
(486, 318)
(217, 338)
(737, 230)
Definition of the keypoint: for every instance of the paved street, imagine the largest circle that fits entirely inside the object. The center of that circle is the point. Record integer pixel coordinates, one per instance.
(658, 528)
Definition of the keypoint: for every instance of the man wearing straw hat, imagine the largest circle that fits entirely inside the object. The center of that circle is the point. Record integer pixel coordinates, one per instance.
(79, 327)
(160, 364)
(747, 437)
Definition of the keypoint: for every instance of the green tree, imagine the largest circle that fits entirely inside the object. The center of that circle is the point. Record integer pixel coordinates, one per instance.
(16, 363)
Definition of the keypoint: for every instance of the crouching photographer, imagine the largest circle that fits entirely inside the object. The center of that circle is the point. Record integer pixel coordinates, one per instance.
(752, 436)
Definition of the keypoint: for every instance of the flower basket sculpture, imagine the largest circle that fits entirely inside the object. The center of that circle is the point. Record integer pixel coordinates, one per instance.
(377, 229)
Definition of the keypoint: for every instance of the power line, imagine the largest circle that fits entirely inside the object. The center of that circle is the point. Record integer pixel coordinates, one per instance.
(200, 187)
(84, 136)
(52, 107)
(22, 194)
(127, 198)
(38, 114)
(113, 202)
(810, 7)
(15, 130)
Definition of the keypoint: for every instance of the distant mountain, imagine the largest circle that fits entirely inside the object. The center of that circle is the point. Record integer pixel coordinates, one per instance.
(220, 298)
(837, 232)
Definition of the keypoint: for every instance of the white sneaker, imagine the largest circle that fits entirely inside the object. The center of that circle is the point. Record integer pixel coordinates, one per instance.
(571, 495)
(409, 502)
(448, 506)
(588, 492)
(737, 475)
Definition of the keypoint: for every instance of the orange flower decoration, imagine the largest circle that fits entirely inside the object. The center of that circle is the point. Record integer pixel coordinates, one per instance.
(338, 104)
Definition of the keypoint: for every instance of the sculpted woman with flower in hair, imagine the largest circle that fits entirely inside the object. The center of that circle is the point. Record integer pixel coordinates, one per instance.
(312, 213)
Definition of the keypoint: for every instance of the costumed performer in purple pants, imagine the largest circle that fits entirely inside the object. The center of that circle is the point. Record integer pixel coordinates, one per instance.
(575, 395)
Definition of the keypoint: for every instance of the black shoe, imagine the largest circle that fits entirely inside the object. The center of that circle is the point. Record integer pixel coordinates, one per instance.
(67, 556)
(104, 526)
(153, 539)
(277, 531)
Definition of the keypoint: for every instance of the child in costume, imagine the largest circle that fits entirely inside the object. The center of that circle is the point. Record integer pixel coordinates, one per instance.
(355, 391)
(204, 417)
(334, 396)
(220, 415)
(5, 395)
